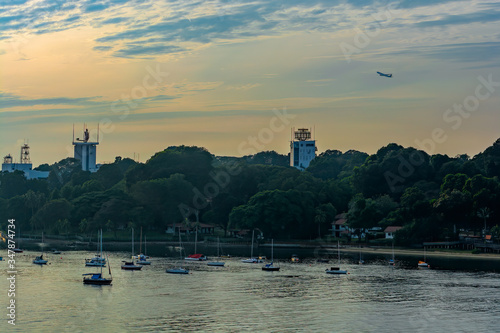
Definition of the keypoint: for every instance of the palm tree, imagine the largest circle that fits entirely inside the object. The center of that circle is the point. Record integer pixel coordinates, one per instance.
(484, 213)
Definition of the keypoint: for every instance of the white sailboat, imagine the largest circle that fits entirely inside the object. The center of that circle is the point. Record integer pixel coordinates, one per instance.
(336, 270)
(39, 259)
(252, 260)
(270, 267)
(217, 263)
(392, 261)
(180, 269)
(130, 265)
(142, 259)
(98, 260)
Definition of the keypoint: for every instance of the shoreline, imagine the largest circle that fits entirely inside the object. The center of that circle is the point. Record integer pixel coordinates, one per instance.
(71, 245)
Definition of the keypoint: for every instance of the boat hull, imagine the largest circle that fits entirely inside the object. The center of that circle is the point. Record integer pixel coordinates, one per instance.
(336, 272)
(100, 282)
(253, 261)
(132, 268)
(177, 271)
(217, 264)
(270, 269)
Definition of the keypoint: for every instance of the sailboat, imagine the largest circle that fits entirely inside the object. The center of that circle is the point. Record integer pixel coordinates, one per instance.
(97, 278)
(217, 263)
(360, 261)
(423, 264)
(252, 260)
(336, 270)
(130, 265)
(98, 260)
(178, 270)
(392, 262)
(195, 256)
(39, 259)
(142, 259)
(270, 267)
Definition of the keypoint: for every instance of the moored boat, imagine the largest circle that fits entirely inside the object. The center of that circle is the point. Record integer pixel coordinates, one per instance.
(335, 270)
(130, 266)
(96, 279)
(39, 260)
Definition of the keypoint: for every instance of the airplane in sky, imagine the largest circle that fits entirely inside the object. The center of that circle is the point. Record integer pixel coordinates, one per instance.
(386, 75)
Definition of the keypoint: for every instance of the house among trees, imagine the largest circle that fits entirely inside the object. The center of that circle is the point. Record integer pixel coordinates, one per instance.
(390, 231)
(339, 226)
(190, 228)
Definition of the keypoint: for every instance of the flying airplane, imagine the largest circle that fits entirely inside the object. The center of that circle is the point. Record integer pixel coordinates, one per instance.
(386, 75)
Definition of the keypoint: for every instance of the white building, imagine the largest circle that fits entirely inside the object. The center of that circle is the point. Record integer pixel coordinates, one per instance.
(390, 231)
(302, 149)
(86, 152)
(25, 165)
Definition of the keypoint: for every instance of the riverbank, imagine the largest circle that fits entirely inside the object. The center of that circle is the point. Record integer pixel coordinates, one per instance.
(323, 248)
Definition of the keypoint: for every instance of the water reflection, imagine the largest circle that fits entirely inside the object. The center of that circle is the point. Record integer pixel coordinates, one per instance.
(241, 297)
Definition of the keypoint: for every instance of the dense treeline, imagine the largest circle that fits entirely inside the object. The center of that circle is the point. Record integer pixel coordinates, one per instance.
(432, 197)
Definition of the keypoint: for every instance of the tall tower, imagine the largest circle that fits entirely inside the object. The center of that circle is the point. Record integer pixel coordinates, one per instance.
(85, 150)
(302, 148)
(25, 154)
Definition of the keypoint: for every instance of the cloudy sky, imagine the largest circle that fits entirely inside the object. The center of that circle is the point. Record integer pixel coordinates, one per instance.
(235, 76)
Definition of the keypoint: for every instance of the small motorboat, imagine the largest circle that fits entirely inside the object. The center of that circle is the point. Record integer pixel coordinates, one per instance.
(142, 260)
(423, 265)
(253, 261)
(335, 270)
(55, 251)
(17, 250)
(178, 270)
(216, 263)
(96, 279)
(130, 266)
(196, 257)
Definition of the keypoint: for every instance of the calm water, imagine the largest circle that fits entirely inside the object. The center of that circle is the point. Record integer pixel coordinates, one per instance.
(241, 297)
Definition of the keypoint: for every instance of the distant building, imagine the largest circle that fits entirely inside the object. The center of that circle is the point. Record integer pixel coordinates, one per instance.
(390, 231)
(339, 226)
(302, 149)
(203, 228)
(25, 165)
(86, 151)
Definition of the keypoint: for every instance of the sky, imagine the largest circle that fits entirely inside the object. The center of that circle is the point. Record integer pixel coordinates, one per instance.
(236, 77)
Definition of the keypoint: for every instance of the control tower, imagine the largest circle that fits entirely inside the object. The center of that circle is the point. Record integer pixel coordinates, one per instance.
(86, 150)
(302, 148)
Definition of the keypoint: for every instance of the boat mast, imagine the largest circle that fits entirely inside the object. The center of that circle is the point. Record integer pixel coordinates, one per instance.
(140, 242)
(195, 238)
(338, 251)
(251, 251)
(132, 242)
(272, 250)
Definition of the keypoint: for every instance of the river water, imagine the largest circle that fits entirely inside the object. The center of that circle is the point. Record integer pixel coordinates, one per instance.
(242, 298)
